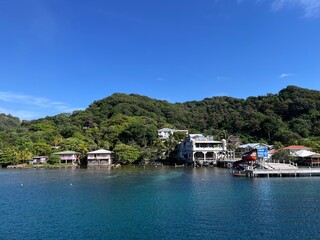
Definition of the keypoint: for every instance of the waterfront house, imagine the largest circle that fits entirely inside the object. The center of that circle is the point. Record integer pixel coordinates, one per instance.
(306, 157)
(302, 153)
(99, 157)
(200, 149)
(295, 148)
(39, 160)
(244, 148)
(164, 133)
(68, 157)
(312, 160)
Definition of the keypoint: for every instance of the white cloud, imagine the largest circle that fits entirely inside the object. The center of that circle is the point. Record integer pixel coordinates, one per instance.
(29, 100)
(32, 106)
(311, 8)
(285, 75)
(22, 114)
(223, 78)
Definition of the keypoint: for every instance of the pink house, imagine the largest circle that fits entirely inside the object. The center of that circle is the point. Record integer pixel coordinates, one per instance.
(68, 157)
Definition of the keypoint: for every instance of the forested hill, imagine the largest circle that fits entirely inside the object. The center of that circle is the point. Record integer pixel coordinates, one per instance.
(290, 117)
(8, 122)
(291, 114)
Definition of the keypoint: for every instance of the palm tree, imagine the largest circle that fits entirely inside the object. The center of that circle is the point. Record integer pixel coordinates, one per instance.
(223, 134)
(166, 146)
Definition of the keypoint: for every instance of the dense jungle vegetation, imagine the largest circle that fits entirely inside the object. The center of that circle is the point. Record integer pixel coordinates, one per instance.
(128, 124)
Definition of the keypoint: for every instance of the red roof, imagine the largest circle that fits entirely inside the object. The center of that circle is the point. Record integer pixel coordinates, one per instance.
(272, 151)
(295, 147)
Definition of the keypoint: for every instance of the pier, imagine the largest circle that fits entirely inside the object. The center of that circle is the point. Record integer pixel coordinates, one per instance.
(283, 172)
(227, 163)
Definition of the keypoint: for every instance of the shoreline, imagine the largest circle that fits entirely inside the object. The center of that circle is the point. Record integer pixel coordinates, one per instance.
(46, 166)
(27, 166)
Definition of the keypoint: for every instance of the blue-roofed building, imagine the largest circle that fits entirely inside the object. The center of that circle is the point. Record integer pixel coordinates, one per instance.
(250, 146)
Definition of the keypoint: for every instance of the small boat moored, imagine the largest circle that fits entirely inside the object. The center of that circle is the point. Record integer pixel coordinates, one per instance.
(239, 173)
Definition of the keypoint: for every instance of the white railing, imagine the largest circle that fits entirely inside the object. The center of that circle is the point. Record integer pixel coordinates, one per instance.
(98, 157)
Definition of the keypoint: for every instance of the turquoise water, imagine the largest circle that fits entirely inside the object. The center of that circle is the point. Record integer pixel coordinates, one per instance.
(155, 203)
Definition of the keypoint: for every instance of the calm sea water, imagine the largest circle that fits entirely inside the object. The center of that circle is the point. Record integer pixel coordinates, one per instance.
(155, 203)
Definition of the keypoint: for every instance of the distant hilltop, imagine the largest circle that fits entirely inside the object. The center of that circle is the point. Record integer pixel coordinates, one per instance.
(289, 117)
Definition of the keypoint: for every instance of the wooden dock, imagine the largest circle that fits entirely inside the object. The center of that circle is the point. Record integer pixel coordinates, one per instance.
(227, 163)
(283, 172)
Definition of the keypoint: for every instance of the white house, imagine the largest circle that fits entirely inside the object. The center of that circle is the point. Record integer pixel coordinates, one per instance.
(303, 153)
(164, 133)
(39, 160)
(295, 148)
(200, 149)
(99, 157)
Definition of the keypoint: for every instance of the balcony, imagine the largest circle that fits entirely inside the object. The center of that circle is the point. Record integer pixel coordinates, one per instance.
(99, 157)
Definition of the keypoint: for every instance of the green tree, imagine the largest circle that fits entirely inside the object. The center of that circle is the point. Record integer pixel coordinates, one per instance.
(271, 125)
(41, 148)
(75, 144)
(24, 155)
(8, 122)
(282, 155)
(167, 146)
(53, 159)
(126, 154)
(147, 154)
(140, 130)
(301, 126)
(8, 156)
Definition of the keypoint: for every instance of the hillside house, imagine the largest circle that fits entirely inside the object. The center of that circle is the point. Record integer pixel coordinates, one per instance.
(165, 133)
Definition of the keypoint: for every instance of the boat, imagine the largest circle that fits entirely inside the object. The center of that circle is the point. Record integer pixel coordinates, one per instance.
(250, 156)
(239, 174)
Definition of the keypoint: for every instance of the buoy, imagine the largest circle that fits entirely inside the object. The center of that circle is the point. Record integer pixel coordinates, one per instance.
(21, 184)
(70, 184)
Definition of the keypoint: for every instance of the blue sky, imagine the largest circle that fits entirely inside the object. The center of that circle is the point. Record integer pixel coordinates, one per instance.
(60, 55)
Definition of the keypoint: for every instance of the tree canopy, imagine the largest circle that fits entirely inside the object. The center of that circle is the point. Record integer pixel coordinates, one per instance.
(130, 122)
